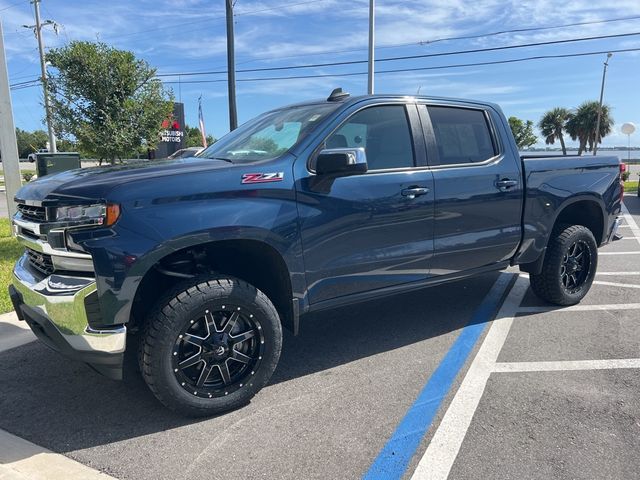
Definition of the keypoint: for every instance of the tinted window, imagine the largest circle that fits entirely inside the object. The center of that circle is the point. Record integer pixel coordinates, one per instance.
(462, 135)
(382, 131)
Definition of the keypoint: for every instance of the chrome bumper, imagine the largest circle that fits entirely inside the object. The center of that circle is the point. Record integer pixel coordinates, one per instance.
(54, 308)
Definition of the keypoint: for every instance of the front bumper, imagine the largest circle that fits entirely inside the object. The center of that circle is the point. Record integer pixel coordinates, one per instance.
(54, 308)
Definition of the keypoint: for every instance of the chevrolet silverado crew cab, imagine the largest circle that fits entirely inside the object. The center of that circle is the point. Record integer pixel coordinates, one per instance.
(198, 264)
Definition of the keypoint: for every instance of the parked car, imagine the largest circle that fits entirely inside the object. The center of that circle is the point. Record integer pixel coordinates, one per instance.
(198, 264)
(185, 152)
(32, 157)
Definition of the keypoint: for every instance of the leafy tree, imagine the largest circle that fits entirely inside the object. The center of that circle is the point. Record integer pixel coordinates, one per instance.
(65, 145)
(29, 142)
(582, 125)
(194, 139)
(106, 99)
(552, 126)
(522, 132)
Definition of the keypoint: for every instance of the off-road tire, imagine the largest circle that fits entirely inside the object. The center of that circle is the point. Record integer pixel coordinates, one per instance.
(548, 284)
(172, 314)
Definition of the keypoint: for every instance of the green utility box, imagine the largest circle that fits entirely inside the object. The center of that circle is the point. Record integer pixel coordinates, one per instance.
(49, 163)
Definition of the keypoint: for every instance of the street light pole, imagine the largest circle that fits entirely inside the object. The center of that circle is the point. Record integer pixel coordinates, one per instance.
(43, 68)
(604, 74)
(370, 87)
(231, 68)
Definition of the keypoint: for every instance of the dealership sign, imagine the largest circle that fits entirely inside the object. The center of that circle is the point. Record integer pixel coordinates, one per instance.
(172, 135)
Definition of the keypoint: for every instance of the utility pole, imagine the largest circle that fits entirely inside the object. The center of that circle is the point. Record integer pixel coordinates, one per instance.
(37, 28)
(604, 74)
(231, 68)
(8, 144)
(372, 43)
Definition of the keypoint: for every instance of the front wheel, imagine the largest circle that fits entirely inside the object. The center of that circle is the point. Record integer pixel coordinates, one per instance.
(569, 266)
(210, 346)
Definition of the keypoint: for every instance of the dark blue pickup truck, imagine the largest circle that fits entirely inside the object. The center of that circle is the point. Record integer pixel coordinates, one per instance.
(199, 263)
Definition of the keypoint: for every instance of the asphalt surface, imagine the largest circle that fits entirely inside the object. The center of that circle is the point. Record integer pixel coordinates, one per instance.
(345, 384)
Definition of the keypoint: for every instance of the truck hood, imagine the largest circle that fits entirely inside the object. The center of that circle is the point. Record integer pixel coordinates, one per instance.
(96, 182)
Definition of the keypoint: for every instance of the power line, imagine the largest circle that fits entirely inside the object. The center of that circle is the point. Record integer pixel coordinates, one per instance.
(446, 39)
(416, 69)
(215, 17)
(13, 5)
(405, 57)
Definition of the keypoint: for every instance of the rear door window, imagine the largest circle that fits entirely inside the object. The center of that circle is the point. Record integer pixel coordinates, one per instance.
(462, 135)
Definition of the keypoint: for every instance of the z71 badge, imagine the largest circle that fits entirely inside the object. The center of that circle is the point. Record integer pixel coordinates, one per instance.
(262, 177)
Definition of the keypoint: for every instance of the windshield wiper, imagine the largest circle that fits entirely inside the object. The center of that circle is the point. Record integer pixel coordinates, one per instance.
(220, 158)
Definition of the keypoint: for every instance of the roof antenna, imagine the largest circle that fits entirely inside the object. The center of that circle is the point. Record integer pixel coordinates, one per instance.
(336, 95)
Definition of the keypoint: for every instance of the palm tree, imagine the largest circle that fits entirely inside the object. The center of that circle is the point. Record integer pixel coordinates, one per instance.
(552, 125)
(582, 125)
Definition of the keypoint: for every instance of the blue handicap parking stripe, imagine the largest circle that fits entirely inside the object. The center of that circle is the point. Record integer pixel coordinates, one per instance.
(392, 461)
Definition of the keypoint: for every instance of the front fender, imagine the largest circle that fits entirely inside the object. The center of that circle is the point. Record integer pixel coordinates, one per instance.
(124, 254)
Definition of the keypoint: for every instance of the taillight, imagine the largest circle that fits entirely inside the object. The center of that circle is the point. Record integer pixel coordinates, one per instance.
(623, 167)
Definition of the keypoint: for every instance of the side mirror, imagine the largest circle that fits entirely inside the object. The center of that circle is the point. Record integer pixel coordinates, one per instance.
(341, 161)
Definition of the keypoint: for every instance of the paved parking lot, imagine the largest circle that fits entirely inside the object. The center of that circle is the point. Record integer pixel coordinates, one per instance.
(419, 386)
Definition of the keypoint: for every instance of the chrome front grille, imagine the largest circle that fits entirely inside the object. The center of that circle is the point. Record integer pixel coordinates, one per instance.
(40, 261)
(36, 214)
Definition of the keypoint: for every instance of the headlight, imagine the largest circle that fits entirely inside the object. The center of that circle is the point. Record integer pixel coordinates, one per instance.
(100, 214)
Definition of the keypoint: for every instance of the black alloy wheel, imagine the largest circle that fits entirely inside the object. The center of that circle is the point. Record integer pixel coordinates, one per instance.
(218, 351)
(210, 345)
(569, 266)
(574, 270)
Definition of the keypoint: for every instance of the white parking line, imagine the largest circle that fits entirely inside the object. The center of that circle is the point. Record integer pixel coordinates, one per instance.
(631, 222)
(614, 284)
(618, 274)
(559, 366)
(581, 308)
(438, 459)
(20, 459)
(619, 253)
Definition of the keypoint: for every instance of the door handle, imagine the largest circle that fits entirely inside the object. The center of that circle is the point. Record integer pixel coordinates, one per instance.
(414, 192)
(505, 184)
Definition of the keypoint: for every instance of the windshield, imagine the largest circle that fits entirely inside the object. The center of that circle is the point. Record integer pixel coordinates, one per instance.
(268, 136)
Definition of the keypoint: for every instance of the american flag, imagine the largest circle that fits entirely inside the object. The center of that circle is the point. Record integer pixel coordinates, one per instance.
(203, 133)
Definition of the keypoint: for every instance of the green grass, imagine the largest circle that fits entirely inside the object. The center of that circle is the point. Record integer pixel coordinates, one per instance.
(10, 251)
(631, 186)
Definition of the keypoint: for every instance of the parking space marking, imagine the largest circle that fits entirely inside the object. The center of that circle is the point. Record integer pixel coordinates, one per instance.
(619, 253)
(559, 366)
(443, 449)
(393, 459)
(618, 274)
(615, 284)
(580, 308)
(631, 222)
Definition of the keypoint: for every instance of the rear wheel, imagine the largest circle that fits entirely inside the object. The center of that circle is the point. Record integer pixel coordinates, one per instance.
(569, 266)
(210, 346)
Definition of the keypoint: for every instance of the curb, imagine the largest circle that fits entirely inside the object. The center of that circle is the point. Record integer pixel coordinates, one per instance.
(13, 333)
(23, 460)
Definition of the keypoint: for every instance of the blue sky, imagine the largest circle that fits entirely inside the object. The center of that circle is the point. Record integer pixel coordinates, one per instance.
(189, 36)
